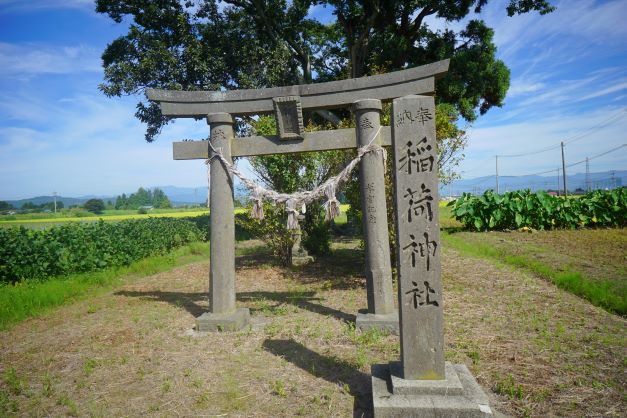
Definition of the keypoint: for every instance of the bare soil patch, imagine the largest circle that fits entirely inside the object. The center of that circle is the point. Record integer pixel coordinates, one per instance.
(537, 350)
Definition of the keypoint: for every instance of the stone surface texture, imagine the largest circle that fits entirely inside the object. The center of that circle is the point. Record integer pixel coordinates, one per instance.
(380, 293)
(418, 245)
(265, 145)
(418, 80)
(384, 322)
(421, 384)
(289, 117)
(300, 256)
(229, 321)
(222, 262)
(459, 395)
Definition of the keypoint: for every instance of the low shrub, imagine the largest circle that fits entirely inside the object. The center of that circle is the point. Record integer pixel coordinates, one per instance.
(81, 247)
(540, 210)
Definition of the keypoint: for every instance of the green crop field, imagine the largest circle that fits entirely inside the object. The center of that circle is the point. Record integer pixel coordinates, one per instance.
(111, 215)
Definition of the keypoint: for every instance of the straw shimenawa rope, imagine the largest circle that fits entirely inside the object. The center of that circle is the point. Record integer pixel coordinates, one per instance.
(293, 201)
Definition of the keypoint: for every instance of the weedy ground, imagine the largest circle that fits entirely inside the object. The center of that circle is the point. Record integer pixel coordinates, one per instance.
(537, 350)
(590, 263)
(600, 254)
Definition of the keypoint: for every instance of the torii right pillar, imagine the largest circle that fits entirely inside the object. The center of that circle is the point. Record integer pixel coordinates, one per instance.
(421, 384)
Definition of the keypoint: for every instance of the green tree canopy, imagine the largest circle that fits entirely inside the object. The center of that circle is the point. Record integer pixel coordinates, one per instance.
(5, 205)
(197, 45)
(236, 44)
(94, 205)
(143, 197)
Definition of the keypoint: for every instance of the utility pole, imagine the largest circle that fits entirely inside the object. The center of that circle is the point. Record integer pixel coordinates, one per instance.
(564, 170)
(558, 182)
(450, 184)
(588, 185)
(497, 173)
(55, 201)
(613, 180)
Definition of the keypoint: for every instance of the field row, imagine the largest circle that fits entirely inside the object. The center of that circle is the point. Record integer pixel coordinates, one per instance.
(28, 254)
(111, 216)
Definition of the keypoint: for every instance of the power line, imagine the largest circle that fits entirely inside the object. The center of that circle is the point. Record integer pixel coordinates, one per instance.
(578, 162)
(598, 155)
(620, 114)
(611, 119)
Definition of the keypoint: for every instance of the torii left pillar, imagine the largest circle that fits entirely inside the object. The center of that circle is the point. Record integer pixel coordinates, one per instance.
(223, 314)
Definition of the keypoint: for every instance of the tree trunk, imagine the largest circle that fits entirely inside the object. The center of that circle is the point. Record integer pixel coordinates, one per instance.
(358, 59)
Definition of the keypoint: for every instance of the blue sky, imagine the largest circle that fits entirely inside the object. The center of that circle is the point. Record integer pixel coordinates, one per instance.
(59, 133)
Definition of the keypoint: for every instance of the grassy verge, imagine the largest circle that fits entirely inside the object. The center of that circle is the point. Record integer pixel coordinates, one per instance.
(33, 298)
(608, 294)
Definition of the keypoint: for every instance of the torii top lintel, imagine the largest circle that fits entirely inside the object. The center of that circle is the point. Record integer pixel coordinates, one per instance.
(333, 94)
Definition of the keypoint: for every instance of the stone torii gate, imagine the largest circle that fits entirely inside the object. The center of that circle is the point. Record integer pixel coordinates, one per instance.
(421, 383)
(365, 96)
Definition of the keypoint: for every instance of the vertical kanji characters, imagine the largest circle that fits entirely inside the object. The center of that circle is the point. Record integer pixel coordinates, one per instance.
(425, 249)
(417, 295)
(419, 202)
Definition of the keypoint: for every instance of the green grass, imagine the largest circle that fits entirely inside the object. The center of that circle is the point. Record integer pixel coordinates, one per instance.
(32, 298)
(607, 294)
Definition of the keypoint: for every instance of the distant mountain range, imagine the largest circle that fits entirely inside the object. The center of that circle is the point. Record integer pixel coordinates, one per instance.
(180, 196)
(67, 201)
(599, 180)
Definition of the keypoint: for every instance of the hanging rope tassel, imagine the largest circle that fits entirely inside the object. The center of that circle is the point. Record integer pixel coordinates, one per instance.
(384, 156)
(257, 210)
(292, 214)
(328, 189)
(332, 206)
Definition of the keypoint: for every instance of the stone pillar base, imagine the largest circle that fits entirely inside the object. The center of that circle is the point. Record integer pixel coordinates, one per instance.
(230, 321)
(459, 395)
(384, 322)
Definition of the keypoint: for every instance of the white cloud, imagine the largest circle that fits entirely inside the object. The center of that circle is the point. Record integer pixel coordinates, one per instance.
(594, 131)
(520, 87)
(26, 60)
(87, 144)
(544, 95)
(587, 23)
(608, 90)
(29, 5)
(17, 139)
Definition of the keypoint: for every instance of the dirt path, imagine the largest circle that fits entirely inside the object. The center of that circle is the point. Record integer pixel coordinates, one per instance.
(537, 350)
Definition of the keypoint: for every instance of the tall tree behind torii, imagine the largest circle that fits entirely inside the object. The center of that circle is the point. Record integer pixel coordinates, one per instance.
(210, 44)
